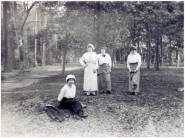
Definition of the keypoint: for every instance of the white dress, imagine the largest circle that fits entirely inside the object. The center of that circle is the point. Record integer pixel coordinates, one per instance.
(90, 78)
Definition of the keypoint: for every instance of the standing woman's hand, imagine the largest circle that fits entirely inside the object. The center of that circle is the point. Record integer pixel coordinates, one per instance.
(85, 65)
(94, 70)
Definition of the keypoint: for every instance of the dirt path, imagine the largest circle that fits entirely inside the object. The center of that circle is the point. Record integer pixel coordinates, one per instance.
(23, 78)
(159, 111)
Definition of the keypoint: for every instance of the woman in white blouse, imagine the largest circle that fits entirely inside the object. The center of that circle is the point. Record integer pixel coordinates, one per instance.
(104, 79)
(67, 95)
(89, 61)
(133, 65)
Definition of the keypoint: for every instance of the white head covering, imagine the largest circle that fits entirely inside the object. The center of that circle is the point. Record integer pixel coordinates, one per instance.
(70, 77)
(91, 46)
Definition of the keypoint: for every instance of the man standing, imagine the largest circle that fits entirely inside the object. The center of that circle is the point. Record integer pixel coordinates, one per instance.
(104, 80)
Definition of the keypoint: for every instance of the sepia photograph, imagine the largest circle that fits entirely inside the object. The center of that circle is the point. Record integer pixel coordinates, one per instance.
(92, 68)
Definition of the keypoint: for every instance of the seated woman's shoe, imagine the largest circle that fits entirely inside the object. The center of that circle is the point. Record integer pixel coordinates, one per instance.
(82, 114)
(83, 105)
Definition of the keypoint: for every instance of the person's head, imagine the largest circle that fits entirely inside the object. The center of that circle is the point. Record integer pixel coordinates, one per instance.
(90, 48)
(133, 49)
(70, 79)
(103, 50)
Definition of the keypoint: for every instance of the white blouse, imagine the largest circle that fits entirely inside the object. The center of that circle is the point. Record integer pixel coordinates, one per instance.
(104, 59)
(89, 57)
(133, 58)
(68, 92)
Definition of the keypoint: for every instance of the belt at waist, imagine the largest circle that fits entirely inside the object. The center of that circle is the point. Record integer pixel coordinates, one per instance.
(104, 64)
(133, 63)
(90, 62)
(67, 98)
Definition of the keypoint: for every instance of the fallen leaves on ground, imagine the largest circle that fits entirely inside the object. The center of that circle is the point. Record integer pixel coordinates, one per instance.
(158, 111)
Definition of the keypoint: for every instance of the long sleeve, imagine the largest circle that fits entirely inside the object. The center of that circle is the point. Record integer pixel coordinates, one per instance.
(132, 59)
(96, 66)
(106, 59)
(110, 62)
(62, 93)
(139, 62)
(128, 65)
(82, 60)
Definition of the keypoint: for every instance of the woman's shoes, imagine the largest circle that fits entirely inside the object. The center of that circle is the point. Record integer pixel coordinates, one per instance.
(91, 93)
(108, 92)
(137, 93)
(82, 114)
(87, 93)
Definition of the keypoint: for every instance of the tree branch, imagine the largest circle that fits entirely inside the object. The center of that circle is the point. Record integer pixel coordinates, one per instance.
(28, 11)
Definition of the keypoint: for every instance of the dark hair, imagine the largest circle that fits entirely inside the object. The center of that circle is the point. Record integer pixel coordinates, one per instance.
(89, 46)
(70, 78)
(132, 48)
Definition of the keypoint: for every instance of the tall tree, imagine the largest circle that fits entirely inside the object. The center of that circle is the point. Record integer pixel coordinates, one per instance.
(6, 7)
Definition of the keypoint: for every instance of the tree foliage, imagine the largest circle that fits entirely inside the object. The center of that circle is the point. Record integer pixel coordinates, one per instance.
(155, 27)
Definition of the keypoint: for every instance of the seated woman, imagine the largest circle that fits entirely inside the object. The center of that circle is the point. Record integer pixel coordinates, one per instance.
(67, 95)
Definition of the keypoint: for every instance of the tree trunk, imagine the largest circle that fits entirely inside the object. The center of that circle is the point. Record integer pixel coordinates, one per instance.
(35, 53)
(177, 58)
(97, 26)
(43, 54)
(64, 55)
(35, 57)
(148, 44)
(157, 57)
(25, 47)
(124, 53)
(161, 43)
(134, 34)
(7, 66)
(157, 50)
(94, 29)
(138, 49)
(169, 57)
(64, 61)
(17, 49)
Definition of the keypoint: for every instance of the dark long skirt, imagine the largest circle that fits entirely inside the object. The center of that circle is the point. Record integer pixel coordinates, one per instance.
(73, 105)
(134, 78)
(104, 79)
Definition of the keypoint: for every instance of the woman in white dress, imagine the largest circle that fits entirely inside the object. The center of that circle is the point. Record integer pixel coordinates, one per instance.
(89, 61)
(133, 65)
